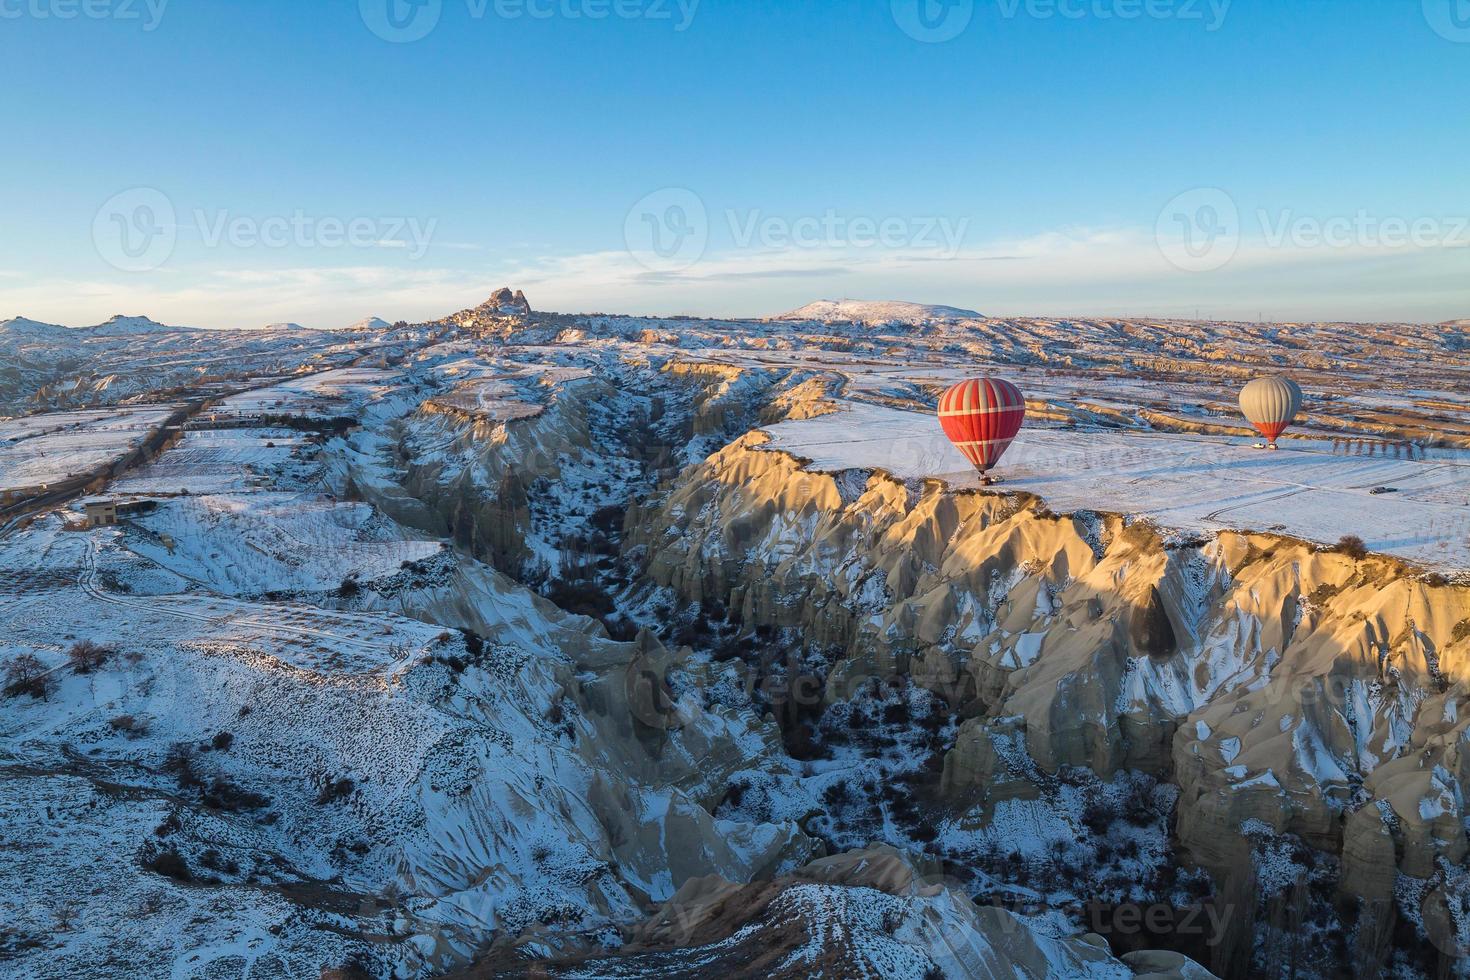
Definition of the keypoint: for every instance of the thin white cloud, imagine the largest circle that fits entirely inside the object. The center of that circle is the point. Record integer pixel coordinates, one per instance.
(1077, 271)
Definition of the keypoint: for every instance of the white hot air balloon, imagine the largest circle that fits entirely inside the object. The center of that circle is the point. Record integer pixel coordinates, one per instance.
(1271, 404)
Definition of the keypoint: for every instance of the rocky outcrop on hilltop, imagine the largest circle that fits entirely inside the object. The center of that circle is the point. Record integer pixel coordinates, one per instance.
(502, 303)
(508, 303)
(1290, 693)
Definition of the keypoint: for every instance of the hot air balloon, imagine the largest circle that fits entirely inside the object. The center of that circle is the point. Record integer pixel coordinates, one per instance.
(1271, 404)
(981, 417)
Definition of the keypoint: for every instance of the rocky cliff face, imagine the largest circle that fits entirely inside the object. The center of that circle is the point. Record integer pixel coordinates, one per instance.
(1289, 693)
(864, 913)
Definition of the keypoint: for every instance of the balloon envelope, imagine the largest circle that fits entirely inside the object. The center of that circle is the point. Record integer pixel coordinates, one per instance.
(981, 417)
(1271, 404)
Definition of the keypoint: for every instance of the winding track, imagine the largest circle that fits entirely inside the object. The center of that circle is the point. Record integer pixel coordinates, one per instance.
(244, 615)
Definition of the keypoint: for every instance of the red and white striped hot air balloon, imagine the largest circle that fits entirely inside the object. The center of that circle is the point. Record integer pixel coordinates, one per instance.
(981, 417)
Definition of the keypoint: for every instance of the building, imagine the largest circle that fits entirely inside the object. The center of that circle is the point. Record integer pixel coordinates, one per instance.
(104, 513)
(100, 513)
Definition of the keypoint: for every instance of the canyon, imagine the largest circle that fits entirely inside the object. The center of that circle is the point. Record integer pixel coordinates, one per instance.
(582, 645)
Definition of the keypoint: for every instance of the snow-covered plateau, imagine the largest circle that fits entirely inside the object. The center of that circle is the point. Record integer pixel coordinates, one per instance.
(532, 644)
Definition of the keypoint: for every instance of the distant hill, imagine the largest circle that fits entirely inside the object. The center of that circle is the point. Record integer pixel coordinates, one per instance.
(120, 326)
(863, 311)
(369, 323)
(28, 329)
(22, 328)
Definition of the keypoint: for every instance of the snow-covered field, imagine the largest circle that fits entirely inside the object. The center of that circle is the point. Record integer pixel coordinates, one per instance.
(214, 461)
(323, 395)
(42, 449)
(1183, 482)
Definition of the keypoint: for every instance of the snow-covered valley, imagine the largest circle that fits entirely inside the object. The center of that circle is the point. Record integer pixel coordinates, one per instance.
(541, 644)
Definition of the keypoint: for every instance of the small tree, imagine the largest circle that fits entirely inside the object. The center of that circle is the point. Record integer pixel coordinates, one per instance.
(1352, 546)
(25, 674)
(180, 762)
(86, 656)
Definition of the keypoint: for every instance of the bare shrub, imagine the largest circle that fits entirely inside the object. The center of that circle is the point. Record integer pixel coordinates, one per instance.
(180, 762)
(1352, 546)
(221, 794)
(129, 725)
(25, 674)
(86, 656)
(171, 864)
(335, 790)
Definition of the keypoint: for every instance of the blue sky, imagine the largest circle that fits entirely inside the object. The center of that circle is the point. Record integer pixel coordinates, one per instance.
(238, 163)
